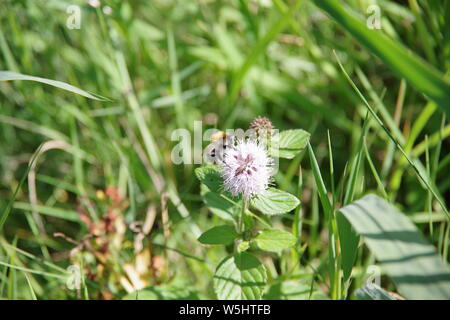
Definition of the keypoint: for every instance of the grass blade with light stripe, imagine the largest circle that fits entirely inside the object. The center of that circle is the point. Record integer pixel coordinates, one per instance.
(401, 249)
(9, 76)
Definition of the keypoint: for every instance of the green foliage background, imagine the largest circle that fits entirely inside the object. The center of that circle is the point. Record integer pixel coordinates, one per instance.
(164, 64)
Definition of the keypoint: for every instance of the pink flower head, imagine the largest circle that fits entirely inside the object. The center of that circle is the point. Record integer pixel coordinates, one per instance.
(246, 168)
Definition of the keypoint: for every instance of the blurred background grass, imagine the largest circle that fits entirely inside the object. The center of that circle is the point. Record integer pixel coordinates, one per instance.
(165, 64)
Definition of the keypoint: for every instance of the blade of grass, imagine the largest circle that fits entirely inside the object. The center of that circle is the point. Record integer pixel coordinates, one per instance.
(349, 239)
(33, 294)
(9, 76)
(425, 180)
(33, 257)
(374, 172)
(175, 79)
(64, 214)
(424, 77)
(333, 232)
(39, 272)
(259, 49)
(5, 213)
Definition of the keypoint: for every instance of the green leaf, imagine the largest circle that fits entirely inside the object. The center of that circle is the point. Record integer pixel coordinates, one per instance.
(423, 76)
(287, 144)
(240, 277)
(275, 240)
(218, 204)
(401, 249)
(210, 176)
(274, 201)
(372, 292)
(219, 235)
(9, 75)
(349, 241)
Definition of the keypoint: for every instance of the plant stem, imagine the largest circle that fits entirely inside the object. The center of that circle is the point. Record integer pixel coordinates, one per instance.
(334, 235)
(241, 227)
(297, 224)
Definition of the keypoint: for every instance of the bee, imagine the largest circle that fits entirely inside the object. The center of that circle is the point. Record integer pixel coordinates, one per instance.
(219, 135)
(220, 141)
